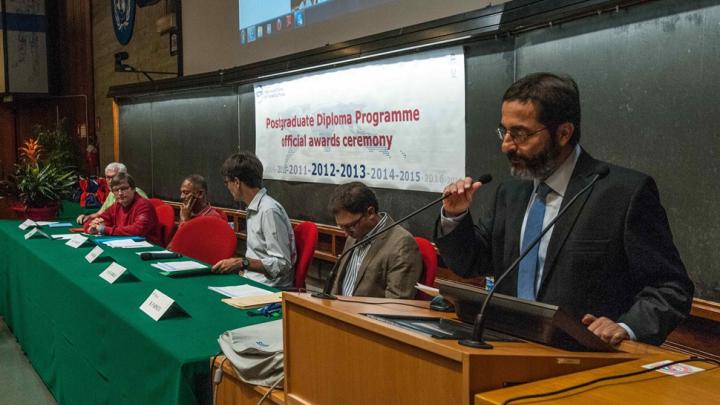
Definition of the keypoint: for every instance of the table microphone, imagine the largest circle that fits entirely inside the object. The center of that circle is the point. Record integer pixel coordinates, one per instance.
(476, 340)
(159, 255)
(484, 179)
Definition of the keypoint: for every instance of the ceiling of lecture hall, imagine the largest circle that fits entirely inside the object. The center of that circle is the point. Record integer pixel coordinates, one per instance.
(239, 32)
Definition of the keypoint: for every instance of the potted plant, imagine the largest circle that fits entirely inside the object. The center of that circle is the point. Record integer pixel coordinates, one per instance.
(38, 186)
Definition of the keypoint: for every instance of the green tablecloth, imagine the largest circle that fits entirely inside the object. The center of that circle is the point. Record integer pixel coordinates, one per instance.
(71, 210)
(88, 339)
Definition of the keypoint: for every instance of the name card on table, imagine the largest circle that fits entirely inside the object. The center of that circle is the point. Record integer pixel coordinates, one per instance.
(157, 305)
(112, 272)
(27, 224)
(94, 254)
(36, 232)
(76, 241)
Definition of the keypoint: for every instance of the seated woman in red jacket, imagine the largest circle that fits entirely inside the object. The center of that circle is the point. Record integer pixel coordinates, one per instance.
(130, 215)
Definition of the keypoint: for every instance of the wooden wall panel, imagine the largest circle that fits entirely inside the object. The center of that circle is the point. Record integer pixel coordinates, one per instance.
(72, 88)
(7, 140)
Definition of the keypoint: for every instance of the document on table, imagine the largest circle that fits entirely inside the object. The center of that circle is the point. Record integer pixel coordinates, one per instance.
(253, 302)
(45, 223)
(64, 236)
(153, 251)
(128, 244)
(238, 291)
(59, 225)
(172, 267)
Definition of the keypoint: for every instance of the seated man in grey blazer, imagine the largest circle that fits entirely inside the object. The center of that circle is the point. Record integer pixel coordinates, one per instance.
(390, 265)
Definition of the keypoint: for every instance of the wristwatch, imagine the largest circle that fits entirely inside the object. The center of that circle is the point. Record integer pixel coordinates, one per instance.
(245, 263)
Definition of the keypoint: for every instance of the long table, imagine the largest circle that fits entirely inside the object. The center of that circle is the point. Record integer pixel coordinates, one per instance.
(88, 339)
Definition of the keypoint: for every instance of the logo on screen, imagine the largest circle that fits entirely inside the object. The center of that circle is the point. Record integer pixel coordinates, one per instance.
(268, 28)
(288, 21)
(278, 24)
(243, 36)
(251, 34)
(259, 31)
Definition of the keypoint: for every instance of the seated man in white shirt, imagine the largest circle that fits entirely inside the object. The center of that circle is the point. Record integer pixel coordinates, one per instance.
(270, 256)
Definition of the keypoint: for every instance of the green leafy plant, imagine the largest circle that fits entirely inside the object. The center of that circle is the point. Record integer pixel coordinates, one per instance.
(41, 185)
(37, 183)
(60, 149)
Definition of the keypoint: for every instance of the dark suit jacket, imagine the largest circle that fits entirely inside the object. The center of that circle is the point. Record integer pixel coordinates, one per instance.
(391, 268)
(612, 254)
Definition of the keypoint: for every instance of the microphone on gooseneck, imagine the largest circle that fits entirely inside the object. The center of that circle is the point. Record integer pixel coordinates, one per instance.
(484, 179)
(479, 326)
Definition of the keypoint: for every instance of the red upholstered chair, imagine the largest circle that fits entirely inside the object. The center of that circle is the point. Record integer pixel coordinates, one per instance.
(429, 259)
(166, 218)
(156, 202)
(306, 236)
(207, 239)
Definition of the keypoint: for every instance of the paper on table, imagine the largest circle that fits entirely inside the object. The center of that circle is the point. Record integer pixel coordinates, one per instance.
(153, 251)
(44, 223)
(179, 266)
(103, 239)
(137, 245)
(64, 236)
(127, 243)
(253, 302)
(60, 225)
(26, 224)
(431, 291)
(237, 291)
(677, 370)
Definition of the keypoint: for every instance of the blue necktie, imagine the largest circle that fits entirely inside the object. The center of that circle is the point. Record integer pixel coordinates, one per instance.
(533, 228)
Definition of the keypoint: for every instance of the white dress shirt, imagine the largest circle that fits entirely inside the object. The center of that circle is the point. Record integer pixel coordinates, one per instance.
(271, 240)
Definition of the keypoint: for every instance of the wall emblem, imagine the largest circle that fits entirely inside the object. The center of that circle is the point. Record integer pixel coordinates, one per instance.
(123, 17)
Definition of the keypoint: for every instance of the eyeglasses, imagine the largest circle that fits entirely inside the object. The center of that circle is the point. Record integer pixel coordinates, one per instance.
(351, 224)
(120, 189)
(518, 135)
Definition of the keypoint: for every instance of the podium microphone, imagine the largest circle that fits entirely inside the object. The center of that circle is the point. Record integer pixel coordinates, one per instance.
(476, 340)
(484, 179)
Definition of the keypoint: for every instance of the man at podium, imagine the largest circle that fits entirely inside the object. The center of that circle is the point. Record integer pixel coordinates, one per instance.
(609, 260)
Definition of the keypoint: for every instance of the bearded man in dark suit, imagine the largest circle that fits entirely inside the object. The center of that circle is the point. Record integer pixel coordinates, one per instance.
(610, 260)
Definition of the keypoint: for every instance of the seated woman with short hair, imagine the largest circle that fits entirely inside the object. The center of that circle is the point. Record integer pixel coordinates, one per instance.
(130, 215)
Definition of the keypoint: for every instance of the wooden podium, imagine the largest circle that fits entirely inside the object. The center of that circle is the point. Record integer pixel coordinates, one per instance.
(336, 355)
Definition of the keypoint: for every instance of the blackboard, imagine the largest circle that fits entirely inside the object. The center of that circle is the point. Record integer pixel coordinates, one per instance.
(649, 83)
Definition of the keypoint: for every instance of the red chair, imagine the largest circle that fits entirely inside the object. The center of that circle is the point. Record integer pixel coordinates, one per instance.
(156, 202)
(166, 218)
(429, 259)
(306, 236)
(207, 239)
